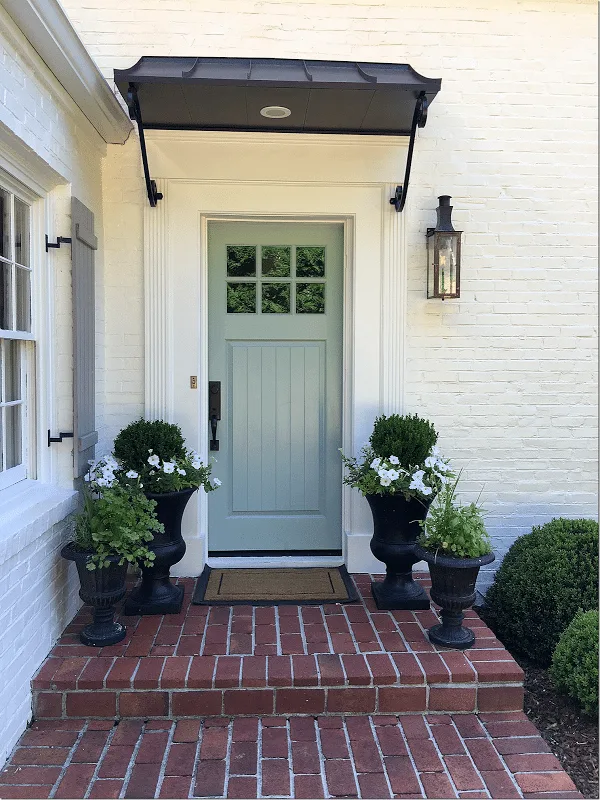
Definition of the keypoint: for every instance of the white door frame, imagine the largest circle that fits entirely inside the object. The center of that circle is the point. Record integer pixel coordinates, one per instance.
(374, 285)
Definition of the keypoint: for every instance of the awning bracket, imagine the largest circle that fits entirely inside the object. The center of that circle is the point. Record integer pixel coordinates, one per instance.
(135, 113)
(418, 121)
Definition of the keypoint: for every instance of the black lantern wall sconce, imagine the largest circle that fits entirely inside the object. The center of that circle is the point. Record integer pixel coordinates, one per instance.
(443, 254)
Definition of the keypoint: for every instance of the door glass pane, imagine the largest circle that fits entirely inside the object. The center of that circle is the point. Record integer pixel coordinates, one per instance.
(310, 298)
(12, 367)
(310, 262)
(5, 295)
(276, 298)
(241, 261)
(241, 298)
(21, 233)
(276, 261)
(4, 224)
(23, 299)
(14, 454)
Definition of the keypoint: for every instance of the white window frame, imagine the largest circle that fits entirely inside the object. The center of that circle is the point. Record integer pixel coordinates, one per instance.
(28, 466)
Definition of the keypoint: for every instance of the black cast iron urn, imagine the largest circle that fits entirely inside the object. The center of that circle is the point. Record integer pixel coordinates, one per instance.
(100, 588)
(395, 530)
(156, 594)
(453, 588)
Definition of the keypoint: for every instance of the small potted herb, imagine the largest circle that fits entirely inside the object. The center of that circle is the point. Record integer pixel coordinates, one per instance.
(110, 533)
(154, 452)
(455, 544)
(399, 472)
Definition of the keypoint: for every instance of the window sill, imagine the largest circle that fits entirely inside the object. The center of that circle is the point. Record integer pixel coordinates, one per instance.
(27, 510)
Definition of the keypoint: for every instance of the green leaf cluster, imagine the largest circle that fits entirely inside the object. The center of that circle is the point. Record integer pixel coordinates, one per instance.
(188, 473)
(409, 437)
(545, 578)
(574, 668)
(118, 522)
(453, 529)
(134, 443)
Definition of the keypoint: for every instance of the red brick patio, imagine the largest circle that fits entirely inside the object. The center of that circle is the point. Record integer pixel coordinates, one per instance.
(498, 755)
(287, 701)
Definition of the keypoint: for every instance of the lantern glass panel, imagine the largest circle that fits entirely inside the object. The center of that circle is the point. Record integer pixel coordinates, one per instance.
(447, 248)
(430, 268)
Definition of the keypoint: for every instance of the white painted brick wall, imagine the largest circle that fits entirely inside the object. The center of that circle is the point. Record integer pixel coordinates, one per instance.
(508, 373)
(41, 126)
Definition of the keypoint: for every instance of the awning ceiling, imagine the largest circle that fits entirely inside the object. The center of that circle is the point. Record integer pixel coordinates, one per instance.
(229, 93)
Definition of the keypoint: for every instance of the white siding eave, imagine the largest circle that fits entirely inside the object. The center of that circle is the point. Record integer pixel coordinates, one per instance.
(50, 33)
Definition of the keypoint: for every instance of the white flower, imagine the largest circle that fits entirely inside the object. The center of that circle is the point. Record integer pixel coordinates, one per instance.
(430, 462)
(384, 481)
(131, 474)
(375, 463)
(154, 461)
(102, 482)
(181, 471)
(196, 463)
(169, 467)
(393, 474)
(394, 460)
(435, 451)
(87, 477)
(216, 482)
(426, 489)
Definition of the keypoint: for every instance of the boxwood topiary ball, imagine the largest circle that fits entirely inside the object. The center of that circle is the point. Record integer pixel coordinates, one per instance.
(574, 668)
(134, 442)
(409, 437)
(545, 578)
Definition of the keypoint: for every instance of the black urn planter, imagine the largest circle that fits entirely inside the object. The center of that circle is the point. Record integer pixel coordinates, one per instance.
(395, 530)
(101, 588)
(156, 594)
(453, 588)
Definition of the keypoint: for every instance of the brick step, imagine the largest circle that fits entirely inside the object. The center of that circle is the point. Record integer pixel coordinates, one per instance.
(177, 687)
(251, 660)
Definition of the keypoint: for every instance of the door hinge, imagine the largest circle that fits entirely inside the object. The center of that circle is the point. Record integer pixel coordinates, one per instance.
(60, 240)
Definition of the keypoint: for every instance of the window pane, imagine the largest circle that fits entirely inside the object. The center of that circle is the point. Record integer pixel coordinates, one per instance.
(22, 248)
(276, 261)
(12, 369)
(310, 262)
(241, 298)
(310, 298)
(23, 299)
(4, 224)
(5, 296)
(276, 298)
(241, 261)
(14, 455)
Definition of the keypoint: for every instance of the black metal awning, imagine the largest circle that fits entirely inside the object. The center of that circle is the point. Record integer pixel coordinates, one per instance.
(280, 95)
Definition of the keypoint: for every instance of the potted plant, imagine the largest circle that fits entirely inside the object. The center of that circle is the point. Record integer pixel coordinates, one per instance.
(399, 472)
(110, 533)
(455, 544)
(154, 452)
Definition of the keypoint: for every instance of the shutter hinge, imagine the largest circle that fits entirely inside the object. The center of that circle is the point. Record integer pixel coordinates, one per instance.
(62, 435)
(60, 240)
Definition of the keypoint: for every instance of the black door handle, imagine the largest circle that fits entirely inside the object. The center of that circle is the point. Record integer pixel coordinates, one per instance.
(214, 411)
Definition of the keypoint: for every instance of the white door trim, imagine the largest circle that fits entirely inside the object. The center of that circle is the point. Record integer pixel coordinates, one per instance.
(376, 388)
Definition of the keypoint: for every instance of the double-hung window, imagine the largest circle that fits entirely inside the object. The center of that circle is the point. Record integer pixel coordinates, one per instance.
(16, 338)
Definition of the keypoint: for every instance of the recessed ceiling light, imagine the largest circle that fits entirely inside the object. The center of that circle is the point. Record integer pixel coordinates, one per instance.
(275, 112)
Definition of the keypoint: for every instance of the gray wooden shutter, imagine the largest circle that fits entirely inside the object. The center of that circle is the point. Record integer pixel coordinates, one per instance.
(83, 245)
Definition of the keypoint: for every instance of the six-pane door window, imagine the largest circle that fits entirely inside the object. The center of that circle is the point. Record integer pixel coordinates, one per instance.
(15, 334)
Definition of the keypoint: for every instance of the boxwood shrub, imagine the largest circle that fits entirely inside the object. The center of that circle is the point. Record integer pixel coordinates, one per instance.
(545, 578)
(574, 668)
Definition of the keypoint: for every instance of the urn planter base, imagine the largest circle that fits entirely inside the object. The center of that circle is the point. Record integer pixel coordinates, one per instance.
(154, 597)
(451, 633)
(398, 592)
(103, 631)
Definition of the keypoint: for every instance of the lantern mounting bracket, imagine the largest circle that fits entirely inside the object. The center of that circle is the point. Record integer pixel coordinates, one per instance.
(133, 104)
(418, 121)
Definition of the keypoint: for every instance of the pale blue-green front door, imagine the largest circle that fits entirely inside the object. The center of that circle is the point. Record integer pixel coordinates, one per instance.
(275, 344)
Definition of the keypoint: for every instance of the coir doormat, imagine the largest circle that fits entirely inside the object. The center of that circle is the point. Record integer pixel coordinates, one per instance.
(268, 587)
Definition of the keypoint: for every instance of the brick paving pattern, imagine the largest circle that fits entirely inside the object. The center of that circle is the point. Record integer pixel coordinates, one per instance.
(230, 660)
(497, 755)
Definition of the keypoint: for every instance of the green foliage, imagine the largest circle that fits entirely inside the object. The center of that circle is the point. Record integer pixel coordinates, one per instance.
(241, 298)
(409, 438)
(545, 578)
(310, 298)
(142, 437)
(116, 523)
(452, 529)
(241, 260)
(574, 668)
